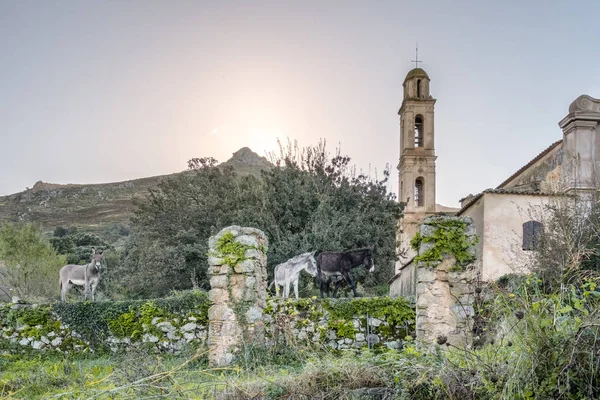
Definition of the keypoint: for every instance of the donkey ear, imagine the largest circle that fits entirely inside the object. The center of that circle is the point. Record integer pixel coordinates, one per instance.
(93, 250)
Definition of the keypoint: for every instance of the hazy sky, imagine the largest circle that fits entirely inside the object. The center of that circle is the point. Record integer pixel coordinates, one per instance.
(99, 91)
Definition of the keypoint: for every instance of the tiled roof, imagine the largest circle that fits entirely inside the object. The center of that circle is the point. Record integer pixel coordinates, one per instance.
(530, 163)
(506, 191)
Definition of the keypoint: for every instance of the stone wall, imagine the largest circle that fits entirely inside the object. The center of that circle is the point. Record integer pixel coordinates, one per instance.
(340, 323)
(238, 280)
(445, 290)
(165, 325)
(317, 323)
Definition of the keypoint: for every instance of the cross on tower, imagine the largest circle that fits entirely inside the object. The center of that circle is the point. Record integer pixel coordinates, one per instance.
(416, 60)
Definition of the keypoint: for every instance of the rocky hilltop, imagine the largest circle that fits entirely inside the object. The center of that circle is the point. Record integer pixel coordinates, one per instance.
(97, 207)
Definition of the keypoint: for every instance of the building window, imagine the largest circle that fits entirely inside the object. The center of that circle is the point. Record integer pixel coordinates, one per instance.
(532, 234)
(419, 193)
(419, 131)
(419, 88)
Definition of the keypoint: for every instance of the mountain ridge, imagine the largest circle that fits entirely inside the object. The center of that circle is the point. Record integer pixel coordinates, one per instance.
(98, 206)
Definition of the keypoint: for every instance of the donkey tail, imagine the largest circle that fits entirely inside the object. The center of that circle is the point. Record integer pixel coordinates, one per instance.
(271, 285)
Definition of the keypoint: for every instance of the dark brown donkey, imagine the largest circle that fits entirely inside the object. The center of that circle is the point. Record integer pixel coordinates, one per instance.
(335, 263)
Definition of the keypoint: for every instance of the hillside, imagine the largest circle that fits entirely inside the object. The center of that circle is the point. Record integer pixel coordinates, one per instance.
(98, 207)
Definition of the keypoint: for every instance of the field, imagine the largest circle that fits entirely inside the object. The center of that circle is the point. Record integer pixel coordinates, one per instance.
(272, 374)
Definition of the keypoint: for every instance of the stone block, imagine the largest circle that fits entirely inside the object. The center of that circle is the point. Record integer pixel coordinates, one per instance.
(220, 269)
(188, 327)
(37, 344)
(254, 254)
(373, 339)
(458, 289)
(165, 326)
(245, 266)
(171, 335)
(250, 283)
(56, 342)
(221, 312)
(215, 261)
(218, 296)
(149, 338)
(425, 275)
(218, 281)
(463, 311)
(247, 240)
(253, 314)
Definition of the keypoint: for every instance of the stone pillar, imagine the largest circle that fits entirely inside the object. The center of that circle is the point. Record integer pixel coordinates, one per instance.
(238, 280)
(445, 294)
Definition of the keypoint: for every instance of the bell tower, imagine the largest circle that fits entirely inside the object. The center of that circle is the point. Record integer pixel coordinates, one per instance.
(417, 157)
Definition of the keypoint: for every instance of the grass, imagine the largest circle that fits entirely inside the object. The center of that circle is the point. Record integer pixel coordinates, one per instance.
(273, 374)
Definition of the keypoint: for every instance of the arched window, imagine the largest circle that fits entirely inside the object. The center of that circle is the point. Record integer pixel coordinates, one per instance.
(419, 192)
(418, 88)
(419, 131)
(532, 234)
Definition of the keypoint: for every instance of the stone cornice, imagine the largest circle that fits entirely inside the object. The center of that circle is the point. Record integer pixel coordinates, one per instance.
(584, 111)
(416, 101)
(585, 103)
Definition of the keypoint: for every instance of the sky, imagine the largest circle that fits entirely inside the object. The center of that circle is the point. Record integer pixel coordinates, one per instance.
(102, 91)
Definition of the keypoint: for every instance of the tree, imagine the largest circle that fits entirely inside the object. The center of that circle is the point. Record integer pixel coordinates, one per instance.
(309, 201)
(177, 219)
(30, 264)
(569, 247)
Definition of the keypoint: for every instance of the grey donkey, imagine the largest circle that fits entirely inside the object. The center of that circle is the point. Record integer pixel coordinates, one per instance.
(287, 273)
(87, 276)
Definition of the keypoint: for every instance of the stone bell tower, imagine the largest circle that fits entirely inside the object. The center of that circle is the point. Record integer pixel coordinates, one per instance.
(417, 159)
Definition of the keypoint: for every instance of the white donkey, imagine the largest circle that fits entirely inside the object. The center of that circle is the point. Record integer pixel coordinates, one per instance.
(288, 272)
(87, 276)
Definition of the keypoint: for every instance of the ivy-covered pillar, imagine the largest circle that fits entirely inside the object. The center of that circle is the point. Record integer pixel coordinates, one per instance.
(238, 280)
(446, 278)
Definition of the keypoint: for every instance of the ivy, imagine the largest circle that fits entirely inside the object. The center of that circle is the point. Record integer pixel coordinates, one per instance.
(448, 238)
(230, 251)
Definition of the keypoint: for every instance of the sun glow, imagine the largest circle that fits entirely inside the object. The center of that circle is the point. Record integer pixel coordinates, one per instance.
(263, 141)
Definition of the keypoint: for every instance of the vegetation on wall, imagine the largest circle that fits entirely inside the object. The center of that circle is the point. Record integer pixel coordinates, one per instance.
(448, 237)
(94, 322)
(341, 315)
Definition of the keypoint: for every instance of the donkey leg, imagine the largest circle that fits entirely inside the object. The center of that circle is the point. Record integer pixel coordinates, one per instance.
(94, 290)
(296, 288)
(349, 280)
(320, 278)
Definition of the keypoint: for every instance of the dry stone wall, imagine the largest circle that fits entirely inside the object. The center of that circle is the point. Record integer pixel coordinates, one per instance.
(163, 325)
(238, 280)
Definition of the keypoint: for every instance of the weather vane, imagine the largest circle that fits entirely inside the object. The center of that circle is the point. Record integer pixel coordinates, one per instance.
(416, 60)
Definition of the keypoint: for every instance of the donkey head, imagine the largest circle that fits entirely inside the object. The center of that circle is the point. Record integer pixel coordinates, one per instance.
(368, 260)
(97, 258)
(312, 264)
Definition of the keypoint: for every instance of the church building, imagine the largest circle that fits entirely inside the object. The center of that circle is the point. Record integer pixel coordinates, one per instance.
(506, 217)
